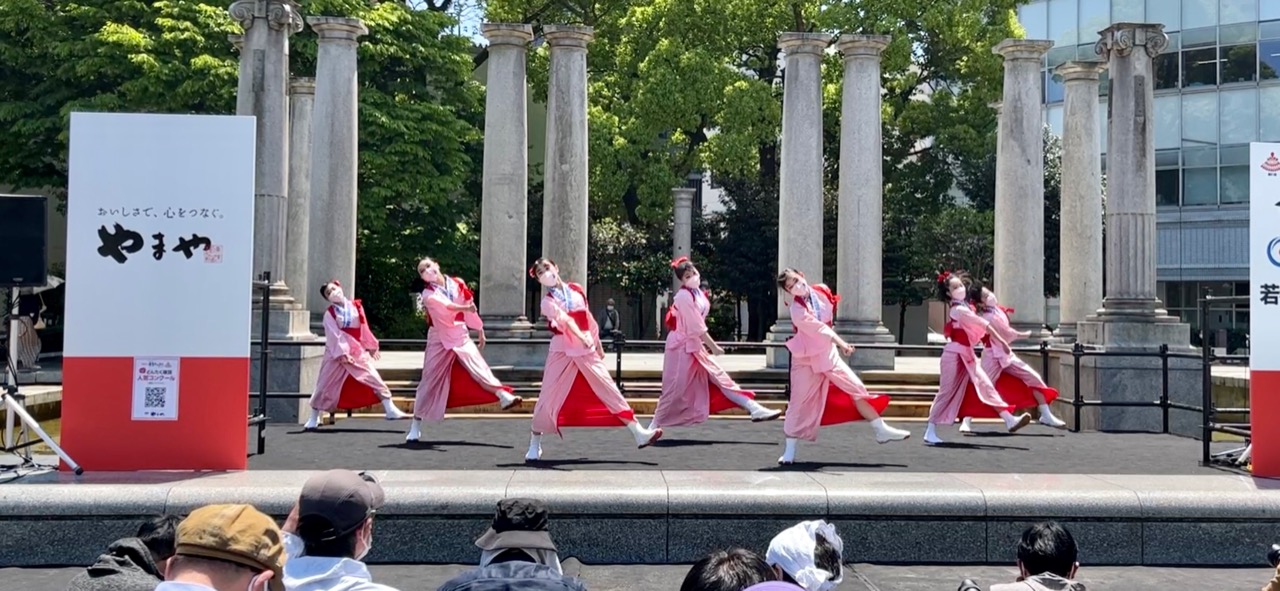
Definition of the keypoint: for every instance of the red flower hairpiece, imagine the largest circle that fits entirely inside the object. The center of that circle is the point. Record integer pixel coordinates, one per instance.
(336, 282)
(533, 272)
(676, 263)
(944, 276)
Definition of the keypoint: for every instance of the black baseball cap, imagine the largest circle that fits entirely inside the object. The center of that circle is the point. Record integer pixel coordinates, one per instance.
(518, 523)
(335, 503)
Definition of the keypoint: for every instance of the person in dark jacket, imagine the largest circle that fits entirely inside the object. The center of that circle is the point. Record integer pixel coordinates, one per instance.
(513, 576)
(132, 564)
(516, 553)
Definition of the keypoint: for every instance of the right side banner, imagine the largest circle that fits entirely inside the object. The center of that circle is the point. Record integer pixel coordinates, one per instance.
(1264, 307)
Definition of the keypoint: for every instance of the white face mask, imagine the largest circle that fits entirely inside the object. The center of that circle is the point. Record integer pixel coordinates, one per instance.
(548, 278)
(335, 295)
(430, 274)
(800, 289)
(368, 545)
(958, 293)
(693, 282)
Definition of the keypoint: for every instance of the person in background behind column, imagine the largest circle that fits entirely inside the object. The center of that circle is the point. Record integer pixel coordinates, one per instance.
(609, 322)
(577, 390)
(693, 384)
(1018, 384)
(824, 390)
(348, 379)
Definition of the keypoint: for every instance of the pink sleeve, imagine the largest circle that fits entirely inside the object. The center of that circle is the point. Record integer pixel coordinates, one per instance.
(554, 313)
(1000, 323)
(472, 319)
(335, 341)
(435, 307)
(805, 322)
(689, 317)
(967, 318)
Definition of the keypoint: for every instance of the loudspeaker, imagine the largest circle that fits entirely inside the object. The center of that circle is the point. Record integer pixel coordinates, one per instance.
(24, 233)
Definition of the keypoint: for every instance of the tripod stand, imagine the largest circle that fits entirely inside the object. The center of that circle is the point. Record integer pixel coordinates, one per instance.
(12, 403)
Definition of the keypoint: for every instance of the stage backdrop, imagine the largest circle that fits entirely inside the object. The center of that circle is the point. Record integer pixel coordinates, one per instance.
(1264, 307)
(159, 263)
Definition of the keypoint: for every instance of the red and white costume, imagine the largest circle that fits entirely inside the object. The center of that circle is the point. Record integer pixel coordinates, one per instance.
(348, 386)
(1014, 379)
(577, 390)
(964, 389)
(694, 386)
(454, 374)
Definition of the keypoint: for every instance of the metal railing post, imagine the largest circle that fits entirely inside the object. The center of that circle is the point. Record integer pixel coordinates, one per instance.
(1164, 387)
(1044, 359)
(1077, 402)
(265, 354)
(619, 342)
(1206, 386)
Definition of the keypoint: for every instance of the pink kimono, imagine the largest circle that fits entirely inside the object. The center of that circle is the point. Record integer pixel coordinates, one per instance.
(577, 390)
(963, 388)
(693, 385)
(454, 374)
(823, 388)
(342, 385)
(1013, 378)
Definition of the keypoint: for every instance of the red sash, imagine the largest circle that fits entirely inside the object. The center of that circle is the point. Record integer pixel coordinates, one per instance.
(353, 330)
(580, 317)
(946, 328)
(671, 319)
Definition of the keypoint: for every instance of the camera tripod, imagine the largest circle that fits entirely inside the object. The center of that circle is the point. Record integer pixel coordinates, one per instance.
(20, 444)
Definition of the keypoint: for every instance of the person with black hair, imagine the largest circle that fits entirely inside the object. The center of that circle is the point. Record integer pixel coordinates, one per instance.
(728, 570)
(1015, 380)
(694, 386)
(824, 390)
(577, 390)
(329, 532)
(133, 564)
(809, 554)
(1046, 560)
(517, 553)
(964, 389)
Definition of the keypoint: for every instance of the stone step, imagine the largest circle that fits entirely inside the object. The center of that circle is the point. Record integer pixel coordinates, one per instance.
(533, 374)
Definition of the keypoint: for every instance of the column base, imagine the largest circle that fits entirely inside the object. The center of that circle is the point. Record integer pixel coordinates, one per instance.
(287, 320)
(514, 354)
(862, 332)
(779, 357)
(1065, 334)
(293, 369)
(1038, 333)
(1125, 331)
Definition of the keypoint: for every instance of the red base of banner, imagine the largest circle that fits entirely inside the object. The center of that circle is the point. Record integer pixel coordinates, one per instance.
(1264, 405)
(211, 432)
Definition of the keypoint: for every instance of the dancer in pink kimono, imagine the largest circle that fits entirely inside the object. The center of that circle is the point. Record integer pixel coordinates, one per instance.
(963, 388)
(1017, 383)
(693, 385)
(453, 372)
(577, 390)
(348, 379)
(824, 391)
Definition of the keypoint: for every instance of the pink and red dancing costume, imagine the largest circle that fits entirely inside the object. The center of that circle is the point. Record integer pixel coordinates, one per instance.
(1014, 379)
(341, 385)
(964, 389)
(454, 374)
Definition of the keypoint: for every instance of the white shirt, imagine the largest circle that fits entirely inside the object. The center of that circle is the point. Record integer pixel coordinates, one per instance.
(176, 586)
(323, 573)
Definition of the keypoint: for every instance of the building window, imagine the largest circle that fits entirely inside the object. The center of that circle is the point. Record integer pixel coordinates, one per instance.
(1269, 60)
(1166, 71)
(1200, 119)
(1200, 67)
(1268, 10)
(1200, 176)
(1054, 91)
(1234, 184)
(1168, 122)
(1062, 23)
(1237, 11)
(1269, 113)
(1198, 13)
(1095, 15)
(1128, 11)
(1239, 121)
(1239, 63)
(1034, 18)
(1167, 187)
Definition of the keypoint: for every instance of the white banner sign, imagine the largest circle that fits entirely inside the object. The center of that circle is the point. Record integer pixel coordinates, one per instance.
(1264, 257)
(159, 235)
(155, 388)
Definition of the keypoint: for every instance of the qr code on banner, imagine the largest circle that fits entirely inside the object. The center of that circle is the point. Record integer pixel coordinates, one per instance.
(154, 397)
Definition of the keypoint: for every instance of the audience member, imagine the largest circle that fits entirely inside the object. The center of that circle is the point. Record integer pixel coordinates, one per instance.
(775, 586)
(808, 554)
(728, 570)
(226, 548)
(132, 564)
(1046, 560)
(330, 531)
(516, 553)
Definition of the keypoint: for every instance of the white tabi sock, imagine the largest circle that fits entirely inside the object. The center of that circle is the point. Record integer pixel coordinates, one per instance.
(314, 421)
(788, 451)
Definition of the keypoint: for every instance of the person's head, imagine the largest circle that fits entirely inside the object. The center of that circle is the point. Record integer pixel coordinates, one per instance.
(686, 273)
(974, 293)
(332, 291)
(335, 514)
(229, 548)
(519, 533)
(793, 282)
(609, 304)
(952, 286)
(546, 272)
(160, 534)
(1047, 548)
(429, 271)
(728, 570)
(809, 554)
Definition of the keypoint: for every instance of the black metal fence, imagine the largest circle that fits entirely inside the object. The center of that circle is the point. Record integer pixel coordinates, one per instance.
(619, 345)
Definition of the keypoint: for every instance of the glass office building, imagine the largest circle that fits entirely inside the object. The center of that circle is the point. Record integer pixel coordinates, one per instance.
(1217, 88)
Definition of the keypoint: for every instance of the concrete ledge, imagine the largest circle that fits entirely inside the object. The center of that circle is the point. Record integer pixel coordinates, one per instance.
(664, 517)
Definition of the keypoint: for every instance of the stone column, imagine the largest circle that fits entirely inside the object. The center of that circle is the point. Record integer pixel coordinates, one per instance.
(302, 98)
(998, 107)
(682, 229)
(334, 155)
(1081, 238)
(504, 206)
(564, 200)
(860, 242)
(263, 93)
(800, 190)
(1019, 264)
(1132, 318)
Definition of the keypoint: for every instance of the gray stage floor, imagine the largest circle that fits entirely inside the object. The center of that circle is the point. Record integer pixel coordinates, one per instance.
(724, 445)
(862, 577)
